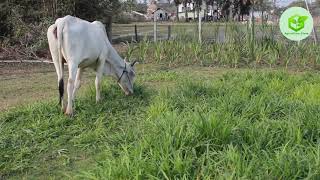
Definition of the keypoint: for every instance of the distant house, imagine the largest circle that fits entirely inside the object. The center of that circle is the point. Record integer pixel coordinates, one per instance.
(212, 11)
(160, 14)
(168, 10)
(258, 15)
(163, 10)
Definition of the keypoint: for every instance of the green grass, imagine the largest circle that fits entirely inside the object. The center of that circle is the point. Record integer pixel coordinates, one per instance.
(184, 123)
(265, 53)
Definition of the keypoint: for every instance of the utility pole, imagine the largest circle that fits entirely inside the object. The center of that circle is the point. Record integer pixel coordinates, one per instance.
(315, 37)
(155, 26)
(199, 28)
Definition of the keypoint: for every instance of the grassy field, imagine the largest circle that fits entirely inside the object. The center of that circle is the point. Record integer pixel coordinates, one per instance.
(182, 123)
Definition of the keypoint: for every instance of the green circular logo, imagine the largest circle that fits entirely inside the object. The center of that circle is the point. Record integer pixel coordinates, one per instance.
(296, 23)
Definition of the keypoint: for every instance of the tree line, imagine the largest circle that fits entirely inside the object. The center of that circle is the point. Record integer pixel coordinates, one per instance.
(14, 14)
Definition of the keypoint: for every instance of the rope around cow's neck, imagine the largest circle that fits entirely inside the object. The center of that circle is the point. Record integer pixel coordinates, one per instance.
(124, 71)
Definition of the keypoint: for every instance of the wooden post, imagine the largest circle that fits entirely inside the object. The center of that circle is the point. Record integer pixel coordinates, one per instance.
(154, 26)
(136, 32)
(199, 28)
(169, 32)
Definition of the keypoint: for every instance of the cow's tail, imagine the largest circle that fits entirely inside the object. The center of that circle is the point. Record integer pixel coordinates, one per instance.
(60, 27)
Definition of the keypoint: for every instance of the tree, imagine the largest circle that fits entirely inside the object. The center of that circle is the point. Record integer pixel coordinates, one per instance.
(129, 5)
(102, 10)
(177, 3)
(4, 26)
(185, 3)
(226, 9)
(17, 14)
(198, 4)
(263, 6)
(232, 8)
(207, 3)
(244, 8)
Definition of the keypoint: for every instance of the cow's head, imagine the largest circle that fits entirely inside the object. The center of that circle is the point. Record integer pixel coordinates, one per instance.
(125, 75)
(126, 78)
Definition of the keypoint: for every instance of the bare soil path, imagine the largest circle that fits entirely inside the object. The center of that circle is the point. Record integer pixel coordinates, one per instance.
(23, 83)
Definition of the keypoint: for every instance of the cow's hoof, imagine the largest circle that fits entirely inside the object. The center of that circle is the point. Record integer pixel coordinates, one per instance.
(69, 113)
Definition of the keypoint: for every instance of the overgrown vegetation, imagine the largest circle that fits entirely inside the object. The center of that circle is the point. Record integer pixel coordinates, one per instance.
(183, 123)
(231, 45)
(24, 23)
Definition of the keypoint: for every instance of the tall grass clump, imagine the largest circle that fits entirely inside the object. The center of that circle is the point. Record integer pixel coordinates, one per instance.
(142, 49)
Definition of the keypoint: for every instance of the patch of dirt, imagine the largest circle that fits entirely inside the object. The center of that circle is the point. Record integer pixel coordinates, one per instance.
(20, 68)
(24, 83)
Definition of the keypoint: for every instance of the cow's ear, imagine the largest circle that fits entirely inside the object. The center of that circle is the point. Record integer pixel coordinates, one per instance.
(133, 63)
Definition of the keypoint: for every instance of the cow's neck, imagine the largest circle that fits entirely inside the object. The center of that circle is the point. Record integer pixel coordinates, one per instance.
(116, 61)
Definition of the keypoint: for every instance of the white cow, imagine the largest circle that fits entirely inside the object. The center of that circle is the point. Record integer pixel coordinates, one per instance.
(83, 44)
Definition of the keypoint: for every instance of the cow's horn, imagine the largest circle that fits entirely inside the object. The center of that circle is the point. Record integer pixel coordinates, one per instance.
(133, 63)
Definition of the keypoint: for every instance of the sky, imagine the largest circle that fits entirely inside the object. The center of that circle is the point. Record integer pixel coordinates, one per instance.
(287, 2)
(284, 2)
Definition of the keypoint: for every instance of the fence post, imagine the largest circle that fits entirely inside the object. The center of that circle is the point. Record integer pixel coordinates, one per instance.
(169, 32)
(252, 38)
(199, 28)
(154, 26)
(136, 32)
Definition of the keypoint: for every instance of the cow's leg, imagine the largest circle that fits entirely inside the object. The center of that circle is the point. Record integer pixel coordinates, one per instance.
(99, 74)
(77, 82)
(52, 41)
(72, 76)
